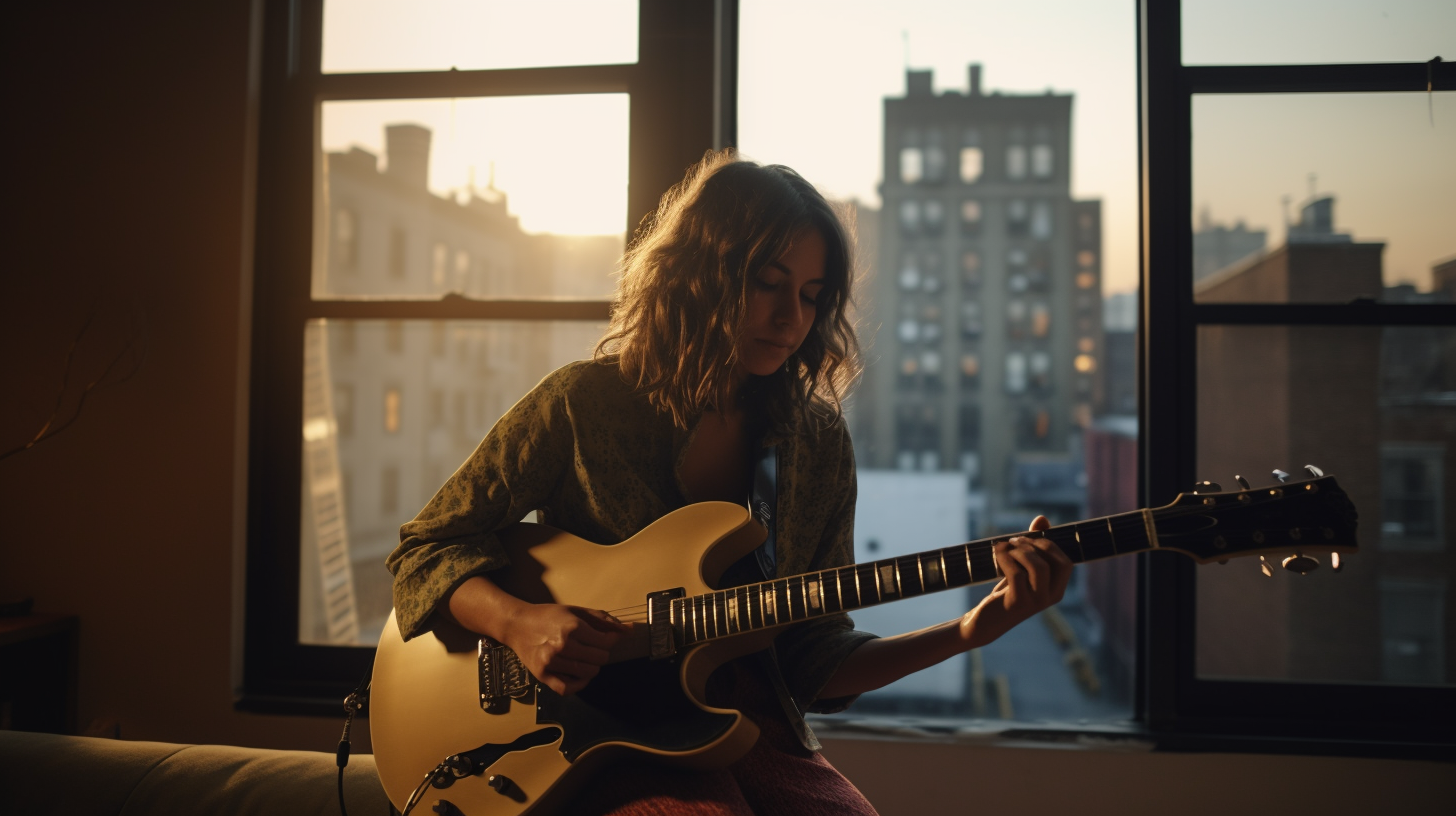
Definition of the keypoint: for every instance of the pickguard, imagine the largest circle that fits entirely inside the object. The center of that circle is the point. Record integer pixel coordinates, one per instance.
(640, 702)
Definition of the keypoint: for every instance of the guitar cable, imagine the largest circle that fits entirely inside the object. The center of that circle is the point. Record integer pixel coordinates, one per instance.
(357, 701)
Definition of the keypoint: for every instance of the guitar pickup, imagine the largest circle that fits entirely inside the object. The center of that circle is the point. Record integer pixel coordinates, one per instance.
(503, 677)
(660, 629)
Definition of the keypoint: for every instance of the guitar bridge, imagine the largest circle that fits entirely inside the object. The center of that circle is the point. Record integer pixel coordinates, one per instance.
(503, 677)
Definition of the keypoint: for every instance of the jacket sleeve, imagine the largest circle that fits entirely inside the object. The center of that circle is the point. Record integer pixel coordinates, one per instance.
(514, 470)
(810, 653)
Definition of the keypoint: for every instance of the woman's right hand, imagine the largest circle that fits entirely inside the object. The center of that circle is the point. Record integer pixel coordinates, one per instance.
(563, 646)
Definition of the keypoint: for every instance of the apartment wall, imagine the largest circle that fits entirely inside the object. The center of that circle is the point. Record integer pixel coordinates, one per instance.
(129, 196)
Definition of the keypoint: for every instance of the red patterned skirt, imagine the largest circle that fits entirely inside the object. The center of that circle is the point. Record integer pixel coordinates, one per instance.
(777, 777)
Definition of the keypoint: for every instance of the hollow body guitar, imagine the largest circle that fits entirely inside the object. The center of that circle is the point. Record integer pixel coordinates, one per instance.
(455, 717)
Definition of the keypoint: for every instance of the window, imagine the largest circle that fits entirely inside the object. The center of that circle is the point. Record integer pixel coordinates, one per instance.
(395, 173)
(910, 215)
(971, 164)
(1016, 372)
(1018, 216)
(1317, 663)
(910, 274)
(1016, 162)
(1411, 496)
(1041, 220)
(1041, 161)
(970, 217)
(346, 240)
(392, 410)
(912, 165)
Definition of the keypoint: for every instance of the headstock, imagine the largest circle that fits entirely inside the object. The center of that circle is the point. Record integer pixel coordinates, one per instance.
(1291, 521)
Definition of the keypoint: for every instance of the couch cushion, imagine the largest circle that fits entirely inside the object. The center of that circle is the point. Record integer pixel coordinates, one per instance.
(43, 773)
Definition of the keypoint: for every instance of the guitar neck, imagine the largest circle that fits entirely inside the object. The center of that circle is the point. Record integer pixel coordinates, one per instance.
(736, 610)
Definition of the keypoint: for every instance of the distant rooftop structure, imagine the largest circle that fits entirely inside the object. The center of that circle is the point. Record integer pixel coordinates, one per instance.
(1316, 224)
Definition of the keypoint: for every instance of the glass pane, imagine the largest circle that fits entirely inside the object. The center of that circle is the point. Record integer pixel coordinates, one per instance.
(1289, 32)
(996, 212)
(1323, 197)
(498, 197)
(1373, 407)
(391, 409)
(437, 35)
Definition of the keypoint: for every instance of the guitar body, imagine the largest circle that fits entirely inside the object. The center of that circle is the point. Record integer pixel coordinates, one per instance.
(426, 705)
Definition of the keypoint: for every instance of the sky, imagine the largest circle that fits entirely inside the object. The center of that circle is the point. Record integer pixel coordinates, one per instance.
(813, 74)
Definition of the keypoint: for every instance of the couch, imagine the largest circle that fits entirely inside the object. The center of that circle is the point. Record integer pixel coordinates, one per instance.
(44, 774)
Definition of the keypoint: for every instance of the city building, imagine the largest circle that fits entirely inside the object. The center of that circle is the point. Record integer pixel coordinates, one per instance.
(987, 301)
(1374, 406)
(1217, 247)
(404, 402)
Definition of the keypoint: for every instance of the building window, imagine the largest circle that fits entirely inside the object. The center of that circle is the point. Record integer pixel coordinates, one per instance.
(1085, 363)
(1413, 631)
(1041, 220)
(1016, 372)
(392, 410)
(934, 161)
(1041, 320)
(1016, 313)
(1018, 217)
(398, 253)
(346, 239)
(439, 263)
(910, 274)
(394, 336)
(971, 217)
(971, 318)
(934, 217)
(972, 163)
(909, 331)
(970, 371)
(1016, 162)
(1039, 365)
(1041, 161)
(912, 165)
(345, 335)
(389, 490)
(910, 216)
(971, 268)
(1411, 512)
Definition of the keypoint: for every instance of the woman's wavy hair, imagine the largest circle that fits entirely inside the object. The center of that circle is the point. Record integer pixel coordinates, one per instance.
(682, 298)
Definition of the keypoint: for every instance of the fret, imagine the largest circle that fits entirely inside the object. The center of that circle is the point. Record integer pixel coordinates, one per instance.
(954, 576)
(755, 606)
(1095, 540)
(770, 605)
(858, 597)
(733, 624)
(1111, 536)
(675, 617)
(920, 572)
(816, 600)
(1081, 553)
(785, 611)
(700, 629)
(838, 591)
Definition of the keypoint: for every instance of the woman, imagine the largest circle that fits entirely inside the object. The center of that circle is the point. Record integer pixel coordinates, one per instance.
(730, 345)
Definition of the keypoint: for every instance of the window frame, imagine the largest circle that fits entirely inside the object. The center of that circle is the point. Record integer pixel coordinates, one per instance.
(684, 49)
(1177, 704)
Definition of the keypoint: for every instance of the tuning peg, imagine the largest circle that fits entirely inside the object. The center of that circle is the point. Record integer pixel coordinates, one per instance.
(1313, 471)
(1243, 483)
(1281, 475)
(1335, 563)
(1206, 486)
(1300, 563)
(1265, 568)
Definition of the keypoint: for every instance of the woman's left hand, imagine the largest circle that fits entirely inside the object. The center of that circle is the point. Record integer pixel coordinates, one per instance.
(1034, 572)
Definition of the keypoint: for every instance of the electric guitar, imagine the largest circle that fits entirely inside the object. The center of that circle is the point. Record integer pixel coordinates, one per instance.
(456, 717)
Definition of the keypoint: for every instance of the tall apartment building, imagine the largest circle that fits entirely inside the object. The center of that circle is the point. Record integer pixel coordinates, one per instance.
(987, 300)
(406, 401)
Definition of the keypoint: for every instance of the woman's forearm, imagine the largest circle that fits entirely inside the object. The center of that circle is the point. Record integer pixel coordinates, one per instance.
(880, 662)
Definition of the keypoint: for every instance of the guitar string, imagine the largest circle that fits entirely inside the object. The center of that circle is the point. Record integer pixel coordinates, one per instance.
(1123, 522)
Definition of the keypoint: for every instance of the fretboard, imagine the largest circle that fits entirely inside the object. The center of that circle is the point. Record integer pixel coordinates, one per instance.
(746, 608)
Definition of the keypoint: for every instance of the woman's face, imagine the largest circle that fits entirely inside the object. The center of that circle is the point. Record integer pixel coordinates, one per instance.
(781, 306)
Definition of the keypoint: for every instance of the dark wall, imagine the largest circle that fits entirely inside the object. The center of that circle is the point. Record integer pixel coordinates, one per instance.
(129, 186)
